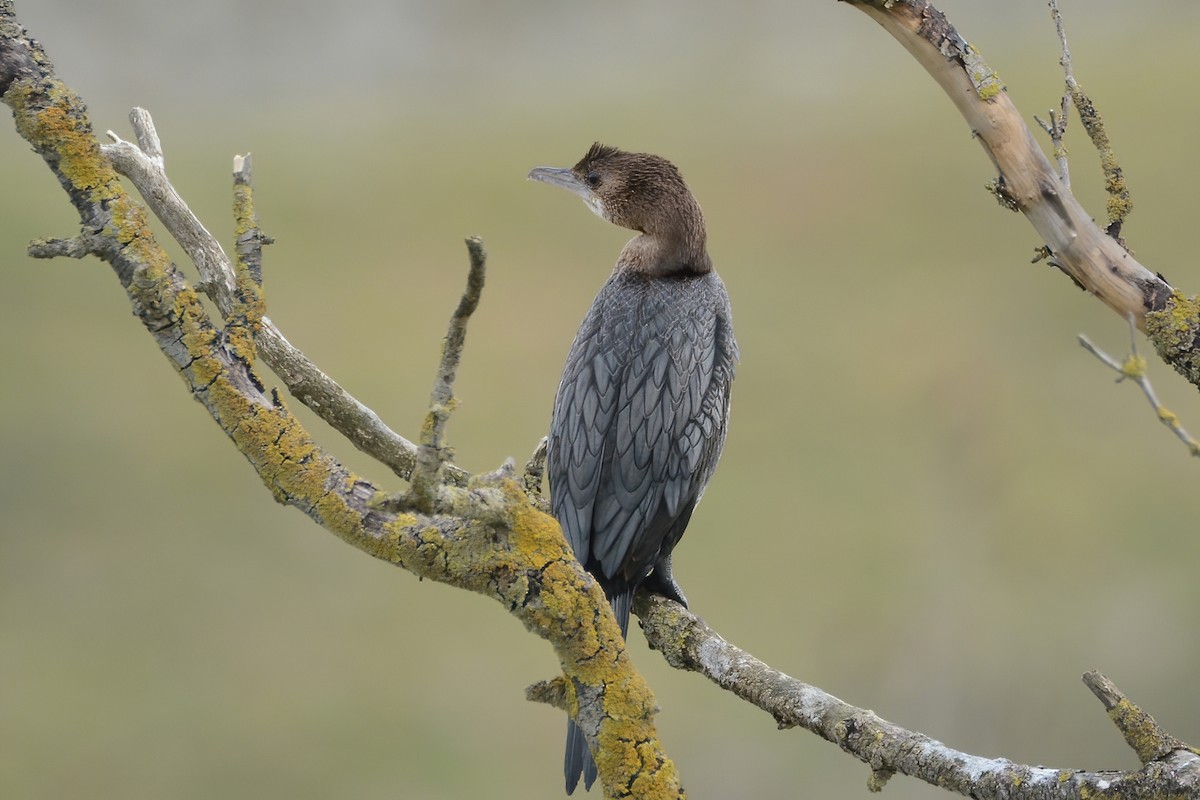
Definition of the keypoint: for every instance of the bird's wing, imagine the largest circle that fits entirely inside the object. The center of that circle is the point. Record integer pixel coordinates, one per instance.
(638, 424)
(583, 413)
(670, 434)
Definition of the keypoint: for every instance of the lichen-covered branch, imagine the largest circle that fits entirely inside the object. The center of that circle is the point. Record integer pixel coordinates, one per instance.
(427, 475)
(491, 535)
(486, 537)
(1120, 202)
(1029, 183)
(1171, 768)
(1141, 731)
(144, 165)
(535, 471)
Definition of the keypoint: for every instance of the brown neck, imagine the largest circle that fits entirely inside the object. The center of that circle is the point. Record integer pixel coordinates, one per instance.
(678, 246)
(657, 256)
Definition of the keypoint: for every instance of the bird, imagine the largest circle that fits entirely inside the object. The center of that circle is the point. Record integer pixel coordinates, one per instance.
(642, 408)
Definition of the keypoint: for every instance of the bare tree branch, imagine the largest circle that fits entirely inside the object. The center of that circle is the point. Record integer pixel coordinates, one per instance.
(1030, 184)
(1119, 202)
(485, 537)
(1134, 367)
(1141, 731)
(491, 536)
(1027, 182)
(686, 642)
(1056, 128)
(427, 476)
(146, 169)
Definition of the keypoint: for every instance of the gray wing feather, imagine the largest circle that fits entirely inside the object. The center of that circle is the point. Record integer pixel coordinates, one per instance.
(640, 419)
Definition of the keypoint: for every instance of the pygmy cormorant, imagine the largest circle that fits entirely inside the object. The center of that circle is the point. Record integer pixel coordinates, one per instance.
(640, 416)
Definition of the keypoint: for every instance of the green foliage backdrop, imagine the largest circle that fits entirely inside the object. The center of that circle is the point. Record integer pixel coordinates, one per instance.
(933, 503)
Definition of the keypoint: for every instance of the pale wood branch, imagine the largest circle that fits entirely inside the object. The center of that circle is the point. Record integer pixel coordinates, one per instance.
(1027, 181)
(1094, 260)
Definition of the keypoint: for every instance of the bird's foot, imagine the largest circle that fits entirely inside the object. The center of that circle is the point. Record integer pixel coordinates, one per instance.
(661, 581)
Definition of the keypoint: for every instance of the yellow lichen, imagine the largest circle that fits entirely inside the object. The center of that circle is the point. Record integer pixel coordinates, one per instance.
(1174, 331)
(62, 129)
(1134, 366)
(243, 210)
(535, 533)
(989, 90)
(985, 80)
(568, 595)
(1141, 731)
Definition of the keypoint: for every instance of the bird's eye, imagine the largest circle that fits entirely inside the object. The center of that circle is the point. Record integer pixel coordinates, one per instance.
(593, 179)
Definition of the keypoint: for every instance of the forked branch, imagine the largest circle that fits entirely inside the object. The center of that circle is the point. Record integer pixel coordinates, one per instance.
(1029, 183)
(488, 536)
(485, 537)
(1134, 368)
(144, 165)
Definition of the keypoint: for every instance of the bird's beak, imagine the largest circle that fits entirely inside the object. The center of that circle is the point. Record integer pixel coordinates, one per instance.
(560, 176)
(563, 177)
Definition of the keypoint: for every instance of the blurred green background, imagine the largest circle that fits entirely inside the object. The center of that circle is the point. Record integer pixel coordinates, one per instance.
(933, 503)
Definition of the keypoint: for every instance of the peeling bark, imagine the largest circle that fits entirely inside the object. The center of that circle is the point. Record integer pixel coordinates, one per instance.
(1085, 252)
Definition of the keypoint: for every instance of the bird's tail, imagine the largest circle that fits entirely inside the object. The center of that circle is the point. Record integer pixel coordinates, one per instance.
(578, 759)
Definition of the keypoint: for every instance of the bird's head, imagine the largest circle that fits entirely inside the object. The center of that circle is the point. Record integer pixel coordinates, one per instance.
(639, 191)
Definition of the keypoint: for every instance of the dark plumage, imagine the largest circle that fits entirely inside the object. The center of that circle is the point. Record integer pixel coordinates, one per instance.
(641, 411)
